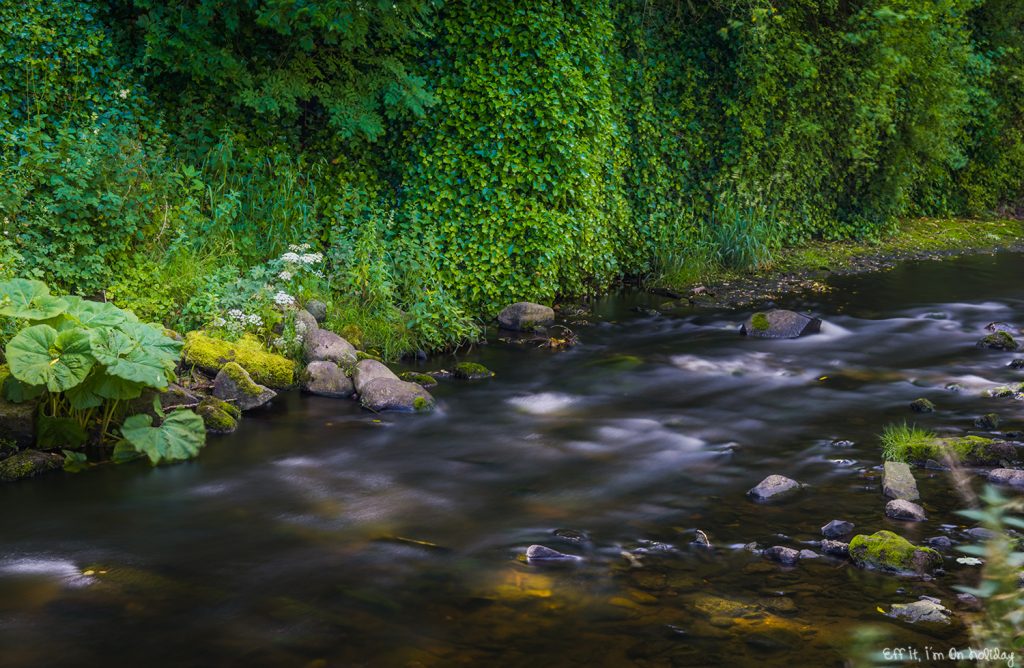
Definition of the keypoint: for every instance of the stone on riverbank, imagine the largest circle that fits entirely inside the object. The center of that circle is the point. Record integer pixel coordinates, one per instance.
(837, 529)
(209, 355)
(28, 464)
(1011, 477)
(772, 487)
(886, 551)
(370, 370)
(220, 417)
(234, 384)
(305, 323)
(317, 309)
(392, 394)
(898, 482)
(901, 509)
(323, 345)
(327, 379)
(525, 316)
(998, 341)
(780, 324)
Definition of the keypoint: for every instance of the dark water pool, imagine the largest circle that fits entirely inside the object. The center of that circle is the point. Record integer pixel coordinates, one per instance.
(319, 535)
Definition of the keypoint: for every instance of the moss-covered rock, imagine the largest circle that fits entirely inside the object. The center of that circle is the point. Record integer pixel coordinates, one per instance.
(210, 354)
(759, 322)
(780, 324)
(998, 341)
(421, 379)
(988, 422)
(392, 394)
(234, 384)
(28, 464)
(471, 371)
(886, 551)
(220, 417)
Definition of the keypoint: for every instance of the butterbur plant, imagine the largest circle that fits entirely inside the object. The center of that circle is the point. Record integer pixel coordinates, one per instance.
(85, 361)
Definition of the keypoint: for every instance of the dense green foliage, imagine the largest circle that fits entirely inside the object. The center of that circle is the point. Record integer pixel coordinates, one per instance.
(446, 159)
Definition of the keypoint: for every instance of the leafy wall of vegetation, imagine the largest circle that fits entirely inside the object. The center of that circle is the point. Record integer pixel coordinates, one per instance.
(448, 158)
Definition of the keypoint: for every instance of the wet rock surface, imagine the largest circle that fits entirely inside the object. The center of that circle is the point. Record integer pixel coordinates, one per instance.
(898, 482)
(901, 509)
(773, 487)
(780, 324)
(525, 316)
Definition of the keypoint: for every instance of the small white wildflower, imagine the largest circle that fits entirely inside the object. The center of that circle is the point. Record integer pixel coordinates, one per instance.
(292, 258)
(318, 273)
(254, 320)
(278, 342)
(300, 327)
(285, 275)
(298, 248)
(311, 258)
(219, 322)
(283, 299)
(236, 314)
(124, 93)
(298, 338)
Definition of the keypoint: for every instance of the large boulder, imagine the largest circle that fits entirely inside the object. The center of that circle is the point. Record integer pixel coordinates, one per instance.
(369, 370)
(780, 324)
(525, 316)
(28, 464)
(317, 309)
(305, 323)
(323, 345)
(234, 384)
(392, 394)
(898, 482)
(772, 487)
(885, 551)
(210, 354)
(327, 379)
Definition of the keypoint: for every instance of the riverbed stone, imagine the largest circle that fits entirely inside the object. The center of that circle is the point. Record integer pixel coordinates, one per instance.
(1002, 327)
(392, 394)
(327, 379)
(1011, 477)
(988, 421)
(525, 316)
(317, 309)
(784, 555)
(540, 553)
(1016, 364)
(780, 324)
(837, 529)
(922, 405)
(471, 371)
(898, 482)
(28, 464)
(323, 345)
(886, 551)
(924, 611)
(835, 548)
(772, 487)
(901, 509)
(998, 341)
(234, 384)
(370, 370)
(219, 417)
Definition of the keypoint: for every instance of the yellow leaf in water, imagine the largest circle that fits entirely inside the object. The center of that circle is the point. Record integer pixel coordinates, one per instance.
(879, 608)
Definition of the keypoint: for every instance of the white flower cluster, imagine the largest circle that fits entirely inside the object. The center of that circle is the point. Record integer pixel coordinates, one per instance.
(299, 254)
(283, 299)
(300, 327)
(285, 275)
(244, 319)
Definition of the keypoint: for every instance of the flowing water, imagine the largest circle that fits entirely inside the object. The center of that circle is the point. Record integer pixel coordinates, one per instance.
(321, 535)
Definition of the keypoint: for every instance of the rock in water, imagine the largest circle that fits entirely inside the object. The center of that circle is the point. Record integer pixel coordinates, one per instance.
(1002, 327)
(988, 422)
(773, 486)
(922, 405)
(884, 550)
(837, 529)
(220, 417)
(898, 482)
(525, 316)
(327, 379)
(998, 341)
(901, 509)
(1011, 477)
(541, 553)
(28, 464)
(835, 548)
(471, 371)
(924, 611)
(783, 555)
(391, 394)
(370, 370)
(322, 345)
(234, 384)
(780, 324)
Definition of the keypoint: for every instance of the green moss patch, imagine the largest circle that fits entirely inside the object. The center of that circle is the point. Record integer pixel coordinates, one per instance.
(471, 371)
(759, 321)
(220, 417)
(264, 367)
(421, 379)
(886, 551)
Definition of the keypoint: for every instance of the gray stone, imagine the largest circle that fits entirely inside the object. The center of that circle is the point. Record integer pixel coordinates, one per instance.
(28, 464)
(772, 487)
(525, 316)
(317, 309)
(1011, 477)
(391, 394)
(835, 548)
(901, 509)
(939, 542)
(998, 341)
(780, 324)
(924, 611)
(323, 345)
(370, 370)
(305, 323)
(327, 379)
(234, 384)
(536, 553)
(783, 555)
(980, 533)
(837, 529)
(898, 482)
(1002, 327)
(809, 554)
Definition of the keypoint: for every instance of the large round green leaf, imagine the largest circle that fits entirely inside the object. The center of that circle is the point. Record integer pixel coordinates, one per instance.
(91, 314)
(154, 341)
(179, 437)
(40, 355)
(29, 300)
(130, 359)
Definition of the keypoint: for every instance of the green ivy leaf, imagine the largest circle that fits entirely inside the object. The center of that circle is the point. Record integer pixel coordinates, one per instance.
(178, 438)
(29, 300)
(39, 355)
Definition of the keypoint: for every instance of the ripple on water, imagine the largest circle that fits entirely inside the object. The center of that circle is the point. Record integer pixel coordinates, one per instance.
(545, 403)
(62, 570)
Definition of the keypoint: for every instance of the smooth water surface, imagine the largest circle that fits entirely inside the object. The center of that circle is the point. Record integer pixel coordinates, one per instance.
(322, 535)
